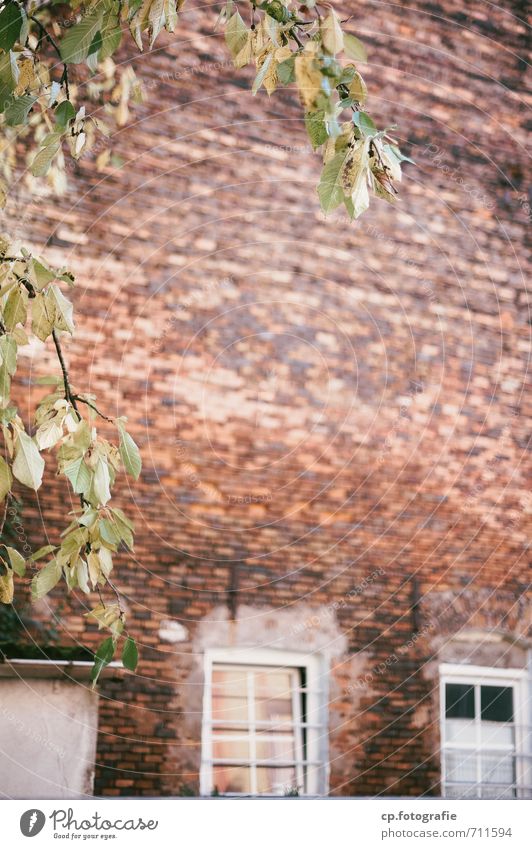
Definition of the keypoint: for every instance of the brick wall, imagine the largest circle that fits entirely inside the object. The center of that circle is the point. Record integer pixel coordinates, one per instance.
(332, 416)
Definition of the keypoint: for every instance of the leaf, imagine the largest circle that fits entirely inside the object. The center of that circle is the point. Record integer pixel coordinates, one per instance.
(42, 552)
(43, 158)
(79, 475)
(63, 310)
(331, 33)
(130, 655)
(308, 79)
(101, 482)
(28, 465)
(354, 48)
(236, 34)
(316, 128)
(365, 123)
(82, 575)
(8, 78)
(330, 189)
(18, 563)
(40, 274)
(102, 658)
(358, 89)
(105, 614)
(11, 20)
(76, 44)
(286, 71)
(48, 434)
(6, 479)
(8, 351)
(129, 454)
(42, 317)
(16, 308)
(108, 532)
(64, 113)
(259, 79)
(18, 110)
(7, 587)
(46, 579)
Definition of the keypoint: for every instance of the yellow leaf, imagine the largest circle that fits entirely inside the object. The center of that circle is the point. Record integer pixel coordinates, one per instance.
(308, 79)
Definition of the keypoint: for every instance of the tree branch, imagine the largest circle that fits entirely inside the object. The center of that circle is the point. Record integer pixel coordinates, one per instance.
(92, 407)
(68, 391)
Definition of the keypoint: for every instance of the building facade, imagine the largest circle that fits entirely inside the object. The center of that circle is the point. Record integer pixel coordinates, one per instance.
(330, 584)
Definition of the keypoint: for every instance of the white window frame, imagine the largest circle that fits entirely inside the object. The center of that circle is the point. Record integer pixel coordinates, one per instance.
(316, 727)
(486, 676)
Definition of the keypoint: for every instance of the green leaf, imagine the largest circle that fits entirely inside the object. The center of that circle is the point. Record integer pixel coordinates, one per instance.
(6, 479)
(77, 42)
(46, 579)
(316, 128)
(365, 123)
(17, 111)
(42, 552)
(354, 48)
(40, 274)
(108, 532)
(8, 352)
(64, 113)
(130, 655)
(28, 465)
(79, 475)
(11, 20)
(8, 78)
(111, 35)
(16, 309)
(18, 563)
(286, 71)
(102, 658)
(130, 454)
(43, 158)
(330, 189)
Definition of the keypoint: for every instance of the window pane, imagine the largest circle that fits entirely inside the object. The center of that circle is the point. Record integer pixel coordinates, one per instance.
(461, 791)
(459, 701)
(496, 734)
(274, 710)
(272, 683)
(231, 779)
(497, 769)
(231, 682)
(223, 748)
(496, 703)
(460, 731)
(279, 748)
(461, 766)
(227, 709)
(276, 781)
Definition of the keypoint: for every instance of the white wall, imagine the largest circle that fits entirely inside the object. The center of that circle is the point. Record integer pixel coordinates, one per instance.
(48, 734)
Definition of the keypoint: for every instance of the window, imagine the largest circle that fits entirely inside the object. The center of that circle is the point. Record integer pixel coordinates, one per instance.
(262, 726)
(483, 735)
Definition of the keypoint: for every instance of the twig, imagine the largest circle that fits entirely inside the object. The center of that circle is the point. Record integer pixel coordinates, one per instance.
(68, 391)
(93, 407)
